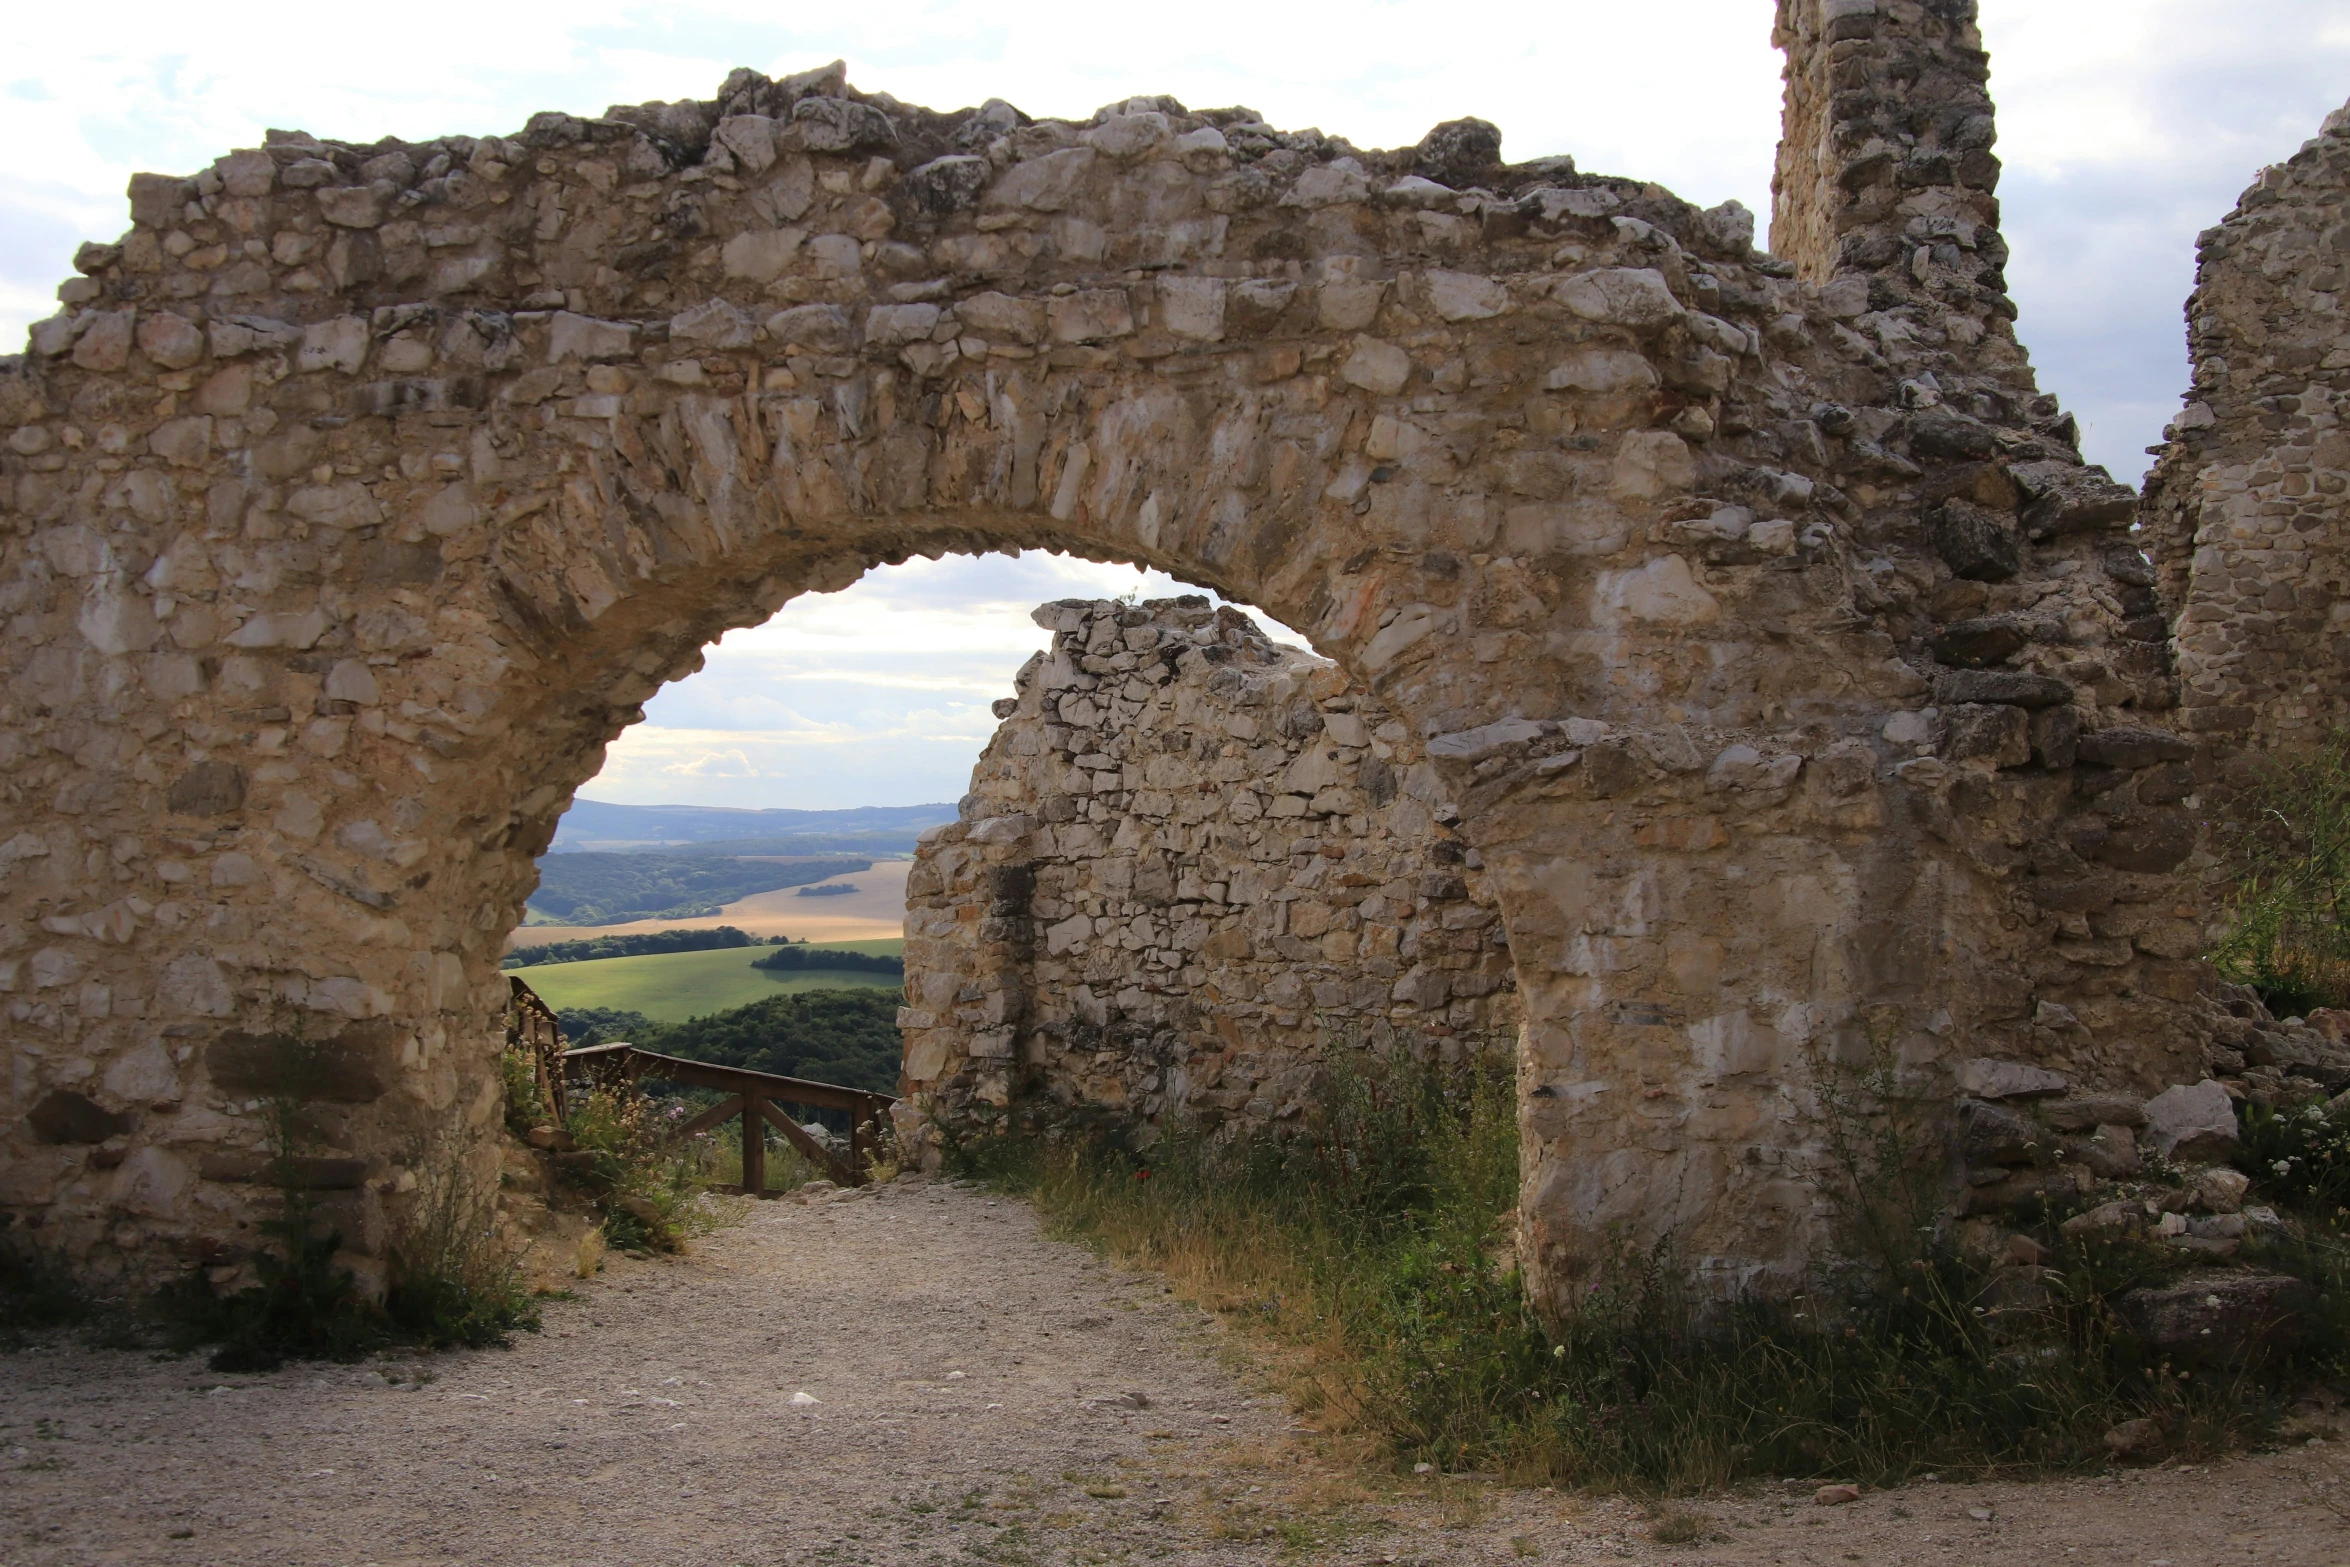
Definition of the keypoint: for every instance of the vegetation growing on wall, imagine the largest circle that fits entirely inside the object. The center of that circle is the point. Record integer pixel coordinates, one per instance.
(450, 1282)
(2286, 838)
(1376, 1243)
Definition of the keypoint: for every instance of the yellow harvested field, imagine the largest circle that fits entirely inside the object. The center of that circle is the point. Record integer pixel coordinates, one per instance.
(876, 911)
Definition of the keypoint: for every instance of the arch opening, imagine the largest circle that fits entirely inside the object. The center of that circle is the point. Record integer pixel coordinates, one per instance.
(1189, 864)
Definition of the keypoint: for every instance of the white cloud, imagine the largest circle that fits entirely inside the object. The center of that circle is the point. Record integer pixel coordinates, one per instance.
(2127, 127)
(881, 693)
(714, 764)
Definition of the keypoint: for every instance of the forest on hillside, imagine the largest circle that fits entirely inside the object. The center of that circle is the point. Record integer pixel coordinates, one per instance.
(609, 889)
(849, 1037)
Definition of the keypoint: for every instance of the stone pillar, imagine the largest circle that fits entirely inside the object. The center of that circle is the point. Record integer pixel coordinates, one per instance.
(1886, 121)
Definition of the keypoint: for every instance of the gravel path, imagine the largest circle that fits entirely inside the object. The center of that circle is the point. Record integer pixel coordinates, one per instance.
(980, 1394)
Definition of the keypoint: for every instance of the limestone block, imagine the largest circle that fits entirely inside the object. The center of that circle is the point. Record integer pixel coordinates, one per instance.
(1743, 769)
(1634, 297)
(2133, 748)
(172, 341)
(144, 1075)
(1192, 307)
(1652, 463)
(1377, 367)
(250, 172)
(1466, 296)
(715, 324)
(357, 206)
(1663, 592)
(1601, 370)
(1090, 315)
(750, 139)
(1978, 545)
(1996, 732)
(822, 328)
(2001, 685)
(1129, 136)
(841, 125)
(339, 345)
(893, 326)
(2191, 1121)
(1043, 184)
(1985, 1078)
(1328, 184)
(762, 255)
(102, 339)
(571, 336)
(1475, 745)
(1255, 304)
(1349, 304)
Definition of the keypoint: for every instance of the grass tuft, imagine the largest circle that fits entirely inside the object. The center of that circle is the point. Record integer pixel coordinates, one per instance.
(644, 1181)
(452, 1284)
(2285, 838)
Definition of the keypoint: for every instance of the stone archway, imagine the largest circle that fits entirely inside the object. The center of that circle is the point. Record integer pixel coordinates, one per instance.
(360, 495)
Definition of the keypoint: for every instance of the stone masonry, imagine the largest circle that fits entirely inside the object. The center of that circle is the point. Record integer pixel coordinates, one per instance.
(2244, 509)
(1192, 862)
(1782, 662)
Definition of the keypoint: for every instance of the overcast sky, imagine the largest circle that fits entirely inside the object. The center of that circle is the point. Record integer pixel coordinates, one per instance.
(2127, 126)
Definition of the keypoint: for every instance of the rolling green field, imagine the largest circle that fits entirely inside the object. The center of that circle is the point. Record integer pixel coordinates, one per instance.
(670, 987)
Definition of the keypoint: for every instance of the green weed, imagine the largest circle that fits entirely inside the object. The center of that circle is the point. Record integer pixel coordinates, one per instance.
(449, 1281)
(526, 1104)
(2285, 835)
(452, 1284)
(644, 1180)
(301, 1306)
(1372, 1242)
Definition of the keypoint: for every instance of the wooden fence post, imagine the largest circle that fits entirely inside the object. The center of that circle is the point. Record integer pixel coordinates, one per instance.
(754, 1146)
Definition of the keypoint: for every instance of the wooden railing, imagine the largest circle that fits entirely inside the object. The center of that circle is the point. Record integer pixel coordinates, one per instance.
(532, 1030)
(753, 1096)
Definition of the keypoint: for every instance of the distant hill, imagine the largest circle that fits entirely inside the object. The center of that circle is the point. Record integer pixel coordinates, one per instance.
(613, 889)
(871, 829)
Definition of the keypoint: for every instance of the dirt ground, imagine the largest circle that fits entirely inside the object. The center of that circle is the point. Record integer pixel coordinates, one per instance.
(916, 1375)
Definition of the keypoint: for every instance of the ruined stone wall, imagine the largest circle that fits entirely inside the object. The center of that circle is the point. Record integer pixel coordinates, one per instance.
(1886, 149)
(2244, 510)
(1757, 612)
(1191, 864)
